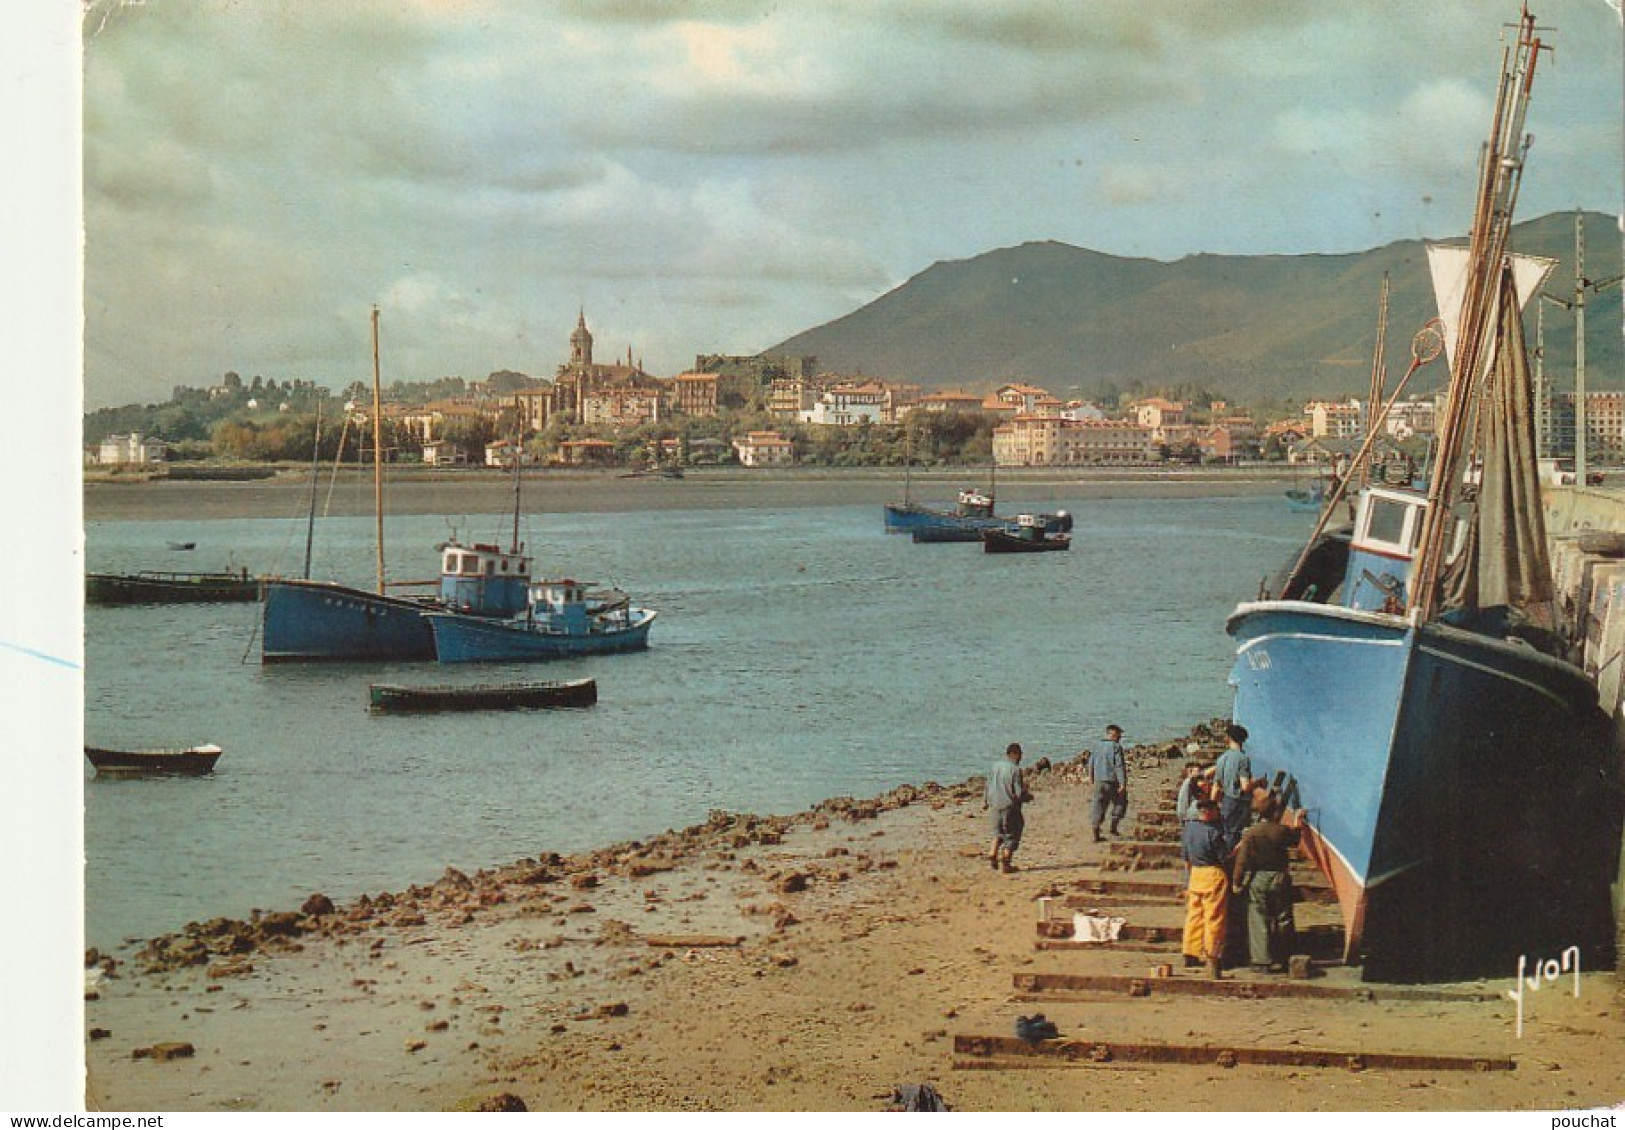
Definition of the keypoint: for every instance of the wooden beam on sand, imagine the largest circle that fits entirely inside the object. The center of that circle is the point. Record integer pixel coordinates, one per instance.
(1321, 939)
(691, 941)
(1143, 849)
(1051, 986)
(988, 1050)
(1307, 891)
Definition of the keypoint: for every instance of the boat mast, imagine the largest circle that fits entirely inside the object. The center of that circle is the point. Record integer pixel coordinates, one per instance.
(518, 451)
(1379, 375)
(315, 475)
(377, 451)
(1500, 174)
(908, 461)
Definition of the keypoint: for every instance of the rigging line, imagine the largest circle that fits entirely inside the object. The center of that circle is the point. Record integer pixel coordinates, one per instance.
(253, 636)
(338, 461)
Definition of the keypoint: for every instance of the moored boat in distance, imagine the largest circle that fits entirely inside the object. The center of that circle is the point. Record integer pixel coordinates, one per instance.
(1029, 536)
(193, 761)
(563, 619)
(1308, 500)
(972, 515)
(972, 510)
(158, 587)
(1404, 689)
(393, 699)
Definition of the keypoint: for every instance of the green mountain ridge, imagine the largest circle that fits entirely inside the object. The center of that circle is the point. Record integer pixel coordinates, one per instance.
(1254, 328)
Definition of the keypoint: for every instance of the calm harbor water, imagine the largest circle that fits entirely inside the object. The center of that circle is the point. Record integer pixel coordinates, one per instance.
(800, 654)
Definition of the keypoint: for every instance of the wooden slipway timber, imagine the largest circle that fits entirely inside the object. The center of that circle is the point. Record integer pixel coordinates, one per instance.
(1173, 892)
(995, 1052)
(1323, 941)
(1050, 985)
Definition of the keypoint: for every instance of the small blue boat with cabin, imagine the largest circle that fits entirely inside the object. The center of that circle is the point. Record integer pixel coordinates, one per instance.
(1309, 501)
(563, 618)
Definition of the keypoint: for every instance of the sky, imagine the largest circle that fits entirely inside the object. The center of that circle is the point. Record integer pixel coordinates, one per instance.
(714, 177)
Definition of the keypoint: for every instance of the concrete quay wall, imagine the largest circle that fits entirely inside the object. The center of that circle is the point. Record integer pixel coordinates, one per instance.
(1586, 529)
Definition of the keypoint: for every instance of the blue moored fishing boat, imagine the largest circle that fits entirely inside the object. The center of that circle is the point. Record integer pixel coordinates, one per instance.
(972, 514)
(305, 620)
(563, 619)
(320, 620)
(1405, 690)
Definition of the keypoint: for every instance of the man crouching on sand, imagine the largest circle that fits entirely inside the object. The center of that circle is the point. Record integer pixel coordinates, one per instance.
(1006, 793)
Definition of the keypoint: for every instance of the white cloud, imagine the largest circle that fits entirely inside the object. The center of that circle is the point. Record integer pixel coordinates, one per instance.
(725, 174)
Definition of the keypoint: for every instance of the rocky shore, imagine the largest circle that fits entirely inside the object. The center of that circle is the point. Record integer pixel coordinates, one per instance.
(805, 962)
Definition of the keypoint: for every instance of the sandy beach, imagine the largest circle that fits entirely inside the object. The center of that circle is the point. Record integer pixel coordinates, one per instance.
(112, 498)
(806, 962)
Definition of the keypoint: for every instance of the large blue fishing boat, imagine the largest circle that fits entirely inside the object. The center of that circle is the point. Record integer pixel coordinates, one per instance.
(320, 620)
(305, 620)
(1405, 688)
(564, 618)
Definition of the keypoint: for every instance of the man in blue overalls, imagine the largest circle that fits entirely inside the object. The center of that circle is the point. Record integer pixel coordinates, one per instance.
(1108, 774)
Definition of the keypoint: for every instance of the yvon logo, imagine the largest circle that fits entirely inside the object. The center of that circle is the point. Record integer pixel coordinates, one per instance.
(1544, 973)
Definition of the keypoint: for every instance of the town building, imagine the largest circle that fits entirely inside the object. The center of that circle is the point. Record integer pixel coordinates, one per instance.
(1229, 440)
(133, 448)
(939, 403)
(846, 405)
(627, 405)
(586, 452)
(501, 453)
(534, 405)
(764, 449)
(1604, 424)
(1414, 416)
(443, 453)
(789, 397)
(744, 381)
(1055, 441)
(1158, 414)
(616, 392)
(1022, 400)
(1335, 419)
(694, 394)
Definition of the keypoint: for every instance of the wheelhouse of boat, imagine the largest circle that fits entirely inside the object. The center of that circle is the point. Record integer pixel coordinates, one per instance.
(1367, 567)
(483, 579)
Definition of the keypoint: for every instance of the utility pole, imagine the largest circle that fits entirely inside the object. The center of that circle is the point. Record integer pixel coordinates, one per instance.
(1544, 423)
(1578, 305)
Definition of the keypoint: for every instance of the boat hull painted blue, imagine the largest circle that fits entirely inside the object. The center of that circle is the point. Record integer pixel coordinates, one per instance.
(1447, 778)
(473, 639)
(911, 519)
(310, 621)
(904, 519)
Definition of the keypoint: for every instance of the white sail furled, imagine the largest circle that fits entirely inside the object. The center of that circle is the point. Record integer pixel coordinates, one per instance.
(1448, 266)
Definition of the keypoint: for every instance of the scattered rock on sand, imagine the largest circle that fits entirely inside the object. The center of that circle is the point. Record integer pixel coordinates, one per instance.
(166, 1051)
